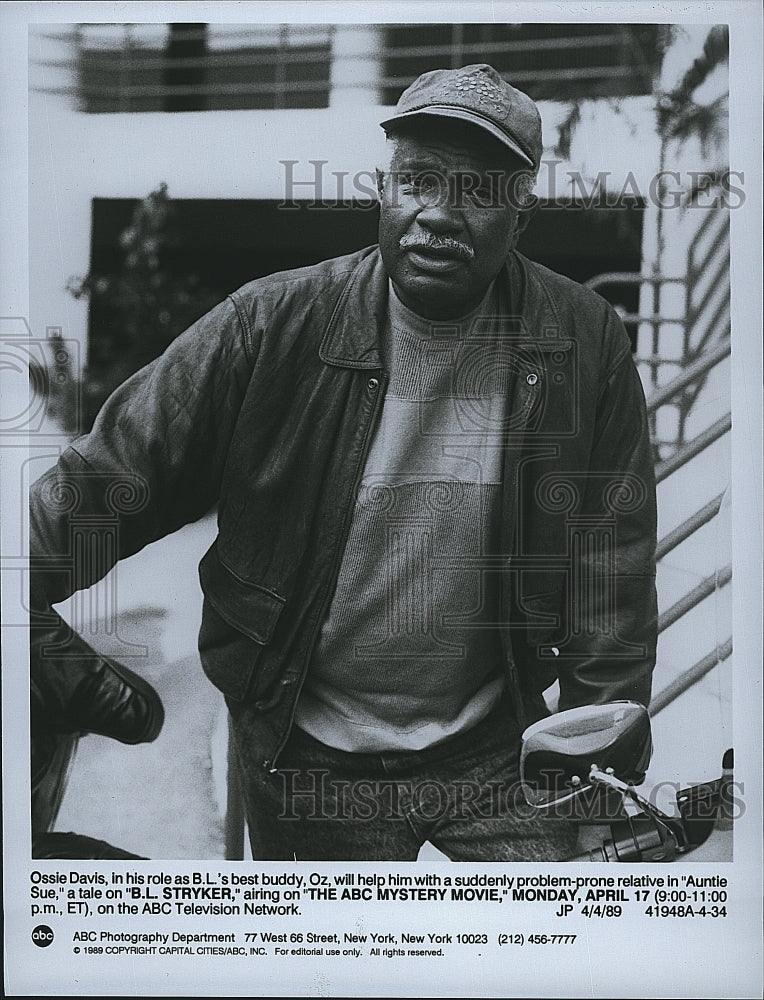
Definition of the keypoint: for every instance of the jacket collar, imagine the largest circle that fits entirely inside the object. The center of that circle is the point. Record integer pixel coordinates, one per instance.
(354, 331)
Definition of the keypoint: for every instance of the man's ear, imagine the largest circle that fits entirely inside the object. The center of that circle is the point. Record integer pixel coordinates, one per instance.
(380, 181)
(525, 216)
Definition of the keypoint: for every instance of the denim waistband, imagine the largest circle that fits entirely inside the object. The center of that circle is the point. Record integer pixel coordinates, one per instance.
(496, 728)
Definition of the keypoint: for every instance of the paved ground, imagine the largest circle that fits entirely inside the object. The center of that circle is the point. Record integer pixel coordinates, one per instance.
(165, 799)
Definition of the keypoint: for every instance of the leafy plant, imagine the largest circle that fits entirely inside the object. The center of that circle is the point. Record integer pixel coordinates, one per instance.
(679, 116)
(137, 311)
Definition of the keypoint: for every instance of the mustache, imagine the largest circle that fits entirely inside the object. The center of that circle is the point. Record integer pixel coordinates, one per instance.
(428, 241)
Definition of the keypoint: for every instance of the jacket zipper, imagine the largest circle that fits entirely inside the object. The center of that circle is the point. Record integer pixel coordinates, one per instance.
(509, 537)
(338, 554)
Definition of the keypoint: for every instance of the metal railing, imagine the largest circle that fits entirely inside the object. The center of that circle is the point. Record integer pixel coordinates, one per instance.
(607, 285)
(689, 378)
(702, 321)
(708, 586)
(683, 531)
(692, 599)
(693, 448)
(690, 677)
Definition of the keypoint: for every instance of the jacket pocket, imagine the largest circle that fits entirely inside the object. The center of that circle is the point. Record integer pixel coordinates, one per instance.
(238, 622)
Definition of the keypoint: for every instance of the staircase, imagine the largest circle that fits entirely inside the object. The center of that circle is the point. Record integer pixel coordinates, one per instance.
(683, 338)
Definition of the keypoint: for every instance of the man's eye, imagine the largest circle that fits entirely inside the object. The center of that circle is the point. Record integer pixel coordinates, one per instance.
(424, 182)
(421, 182)
(485, 195)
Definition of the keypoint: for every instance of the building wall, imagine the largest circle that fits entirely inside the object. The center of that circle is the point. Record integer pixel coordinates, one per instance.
(75, 157)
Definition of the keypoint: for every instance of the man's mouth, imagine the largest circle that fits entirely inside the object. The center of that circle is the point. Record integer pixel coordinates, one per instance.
(437, 247)
(436, 253)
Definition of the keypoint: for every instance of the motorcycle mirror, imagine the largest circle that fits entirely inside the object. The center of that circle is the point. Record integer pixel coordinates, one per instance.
(558, 752)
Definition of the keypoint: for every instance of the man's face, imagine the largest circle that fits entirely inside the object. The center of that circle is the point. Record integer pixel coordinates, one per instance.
(447, 221)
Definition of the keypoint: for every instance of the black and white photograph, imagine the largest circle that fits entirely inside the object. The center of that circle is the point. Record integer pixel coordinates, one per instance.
(381, 512)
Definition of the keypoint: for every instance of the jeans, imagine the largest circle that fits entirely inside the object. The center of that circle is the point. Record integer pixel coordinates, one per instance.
(462, 795)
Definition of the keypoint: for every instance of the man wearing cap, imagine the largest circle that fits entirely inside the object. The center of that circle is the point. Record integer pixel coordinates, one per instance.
(435, 494)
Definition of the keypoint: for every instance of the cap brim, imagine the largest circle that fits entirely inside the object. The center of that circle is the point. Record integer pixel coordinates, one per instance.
(437, 111)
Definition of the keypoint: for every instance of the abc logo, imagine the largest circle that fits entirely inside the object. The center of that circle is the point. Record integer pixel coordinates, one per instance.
(42, 936)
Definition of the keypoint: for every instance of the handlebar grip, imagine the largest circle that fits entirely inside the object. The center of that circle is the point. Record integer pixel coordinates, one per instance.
(593, 854)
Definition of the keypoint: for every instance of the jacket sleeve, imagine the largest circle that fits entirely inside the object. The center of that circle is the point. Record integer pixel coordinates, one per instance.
(153, 461)
(609, 652)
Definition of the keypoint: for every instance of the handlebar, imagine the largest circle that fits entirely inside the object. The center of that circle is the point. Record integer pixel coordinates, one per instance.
(704, 821)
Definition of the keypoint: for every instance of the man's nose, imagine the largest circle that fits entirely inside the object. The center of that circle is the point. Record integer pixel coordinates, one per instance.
(438, 211)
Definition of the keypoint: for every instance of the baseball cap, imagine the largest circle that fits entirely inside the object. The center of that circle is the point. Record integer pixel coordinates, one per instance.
(476, 94)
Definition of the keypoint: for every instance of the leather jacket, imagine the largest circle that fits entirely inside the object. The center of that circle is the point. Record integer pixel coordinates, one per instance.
(266, 407)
